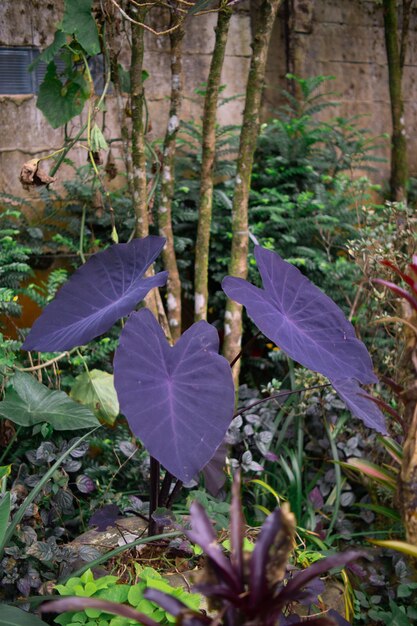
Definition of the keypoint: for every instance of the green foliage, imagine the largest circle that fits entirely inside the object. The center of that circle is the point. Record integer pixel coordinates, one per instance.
(95, 389)
(30, 403)
(12, 616)
(62, 96)
(14, 268)
(304, 203)
(111, 588)
(62, 99)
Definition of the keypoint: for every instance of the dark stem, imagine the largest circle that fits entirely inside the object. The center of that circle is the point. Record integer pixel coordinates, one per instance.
(281, 394)
(154, 496)
(166, 485)
(174, 493)
(245, 347)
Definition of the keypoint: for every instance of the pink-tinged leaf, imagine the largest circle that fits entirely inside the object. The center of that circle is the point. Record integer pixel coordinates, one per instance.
(114, 608)
(178, 400)
(386, 407)
(372, 470)
(393, 448)
(360, 404)
(301, 319)
(399, 291)
(405, 277)
(99, 293)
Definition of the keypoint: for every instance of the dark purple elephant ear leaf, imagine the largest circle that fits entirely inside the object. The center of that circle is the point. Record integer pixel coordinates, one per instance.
(178, 400)
(360, 405)
(106, 288)
(301, 319)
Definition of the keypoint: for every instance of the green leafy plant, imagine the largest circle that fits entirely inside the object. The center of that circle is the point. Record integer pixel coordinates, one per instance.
(112, 589)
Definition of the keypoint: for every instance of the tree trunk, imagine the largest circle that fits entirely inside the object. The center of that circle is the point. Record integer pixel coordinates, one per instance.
(249, 134)
(140, 202)
(207, 165)
(167, 185)
(396, 54)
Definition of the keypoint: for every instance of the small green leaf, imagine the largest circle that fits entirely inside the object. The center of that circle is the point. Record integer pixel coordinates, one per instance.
(78, 21)
(51, 51)
(61, 102)
(32, 403)
(96, 390)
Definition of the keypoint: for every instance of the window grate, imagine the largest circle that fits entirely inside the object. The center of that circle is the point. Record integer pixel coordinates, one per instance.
(16, 79)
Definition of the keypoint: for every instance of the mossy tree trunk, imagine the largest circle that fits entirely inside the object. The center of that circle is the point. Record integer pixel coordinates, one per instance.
(167, 185)
(396, 50)
(207, 166)
(139, 183)
(249, 134)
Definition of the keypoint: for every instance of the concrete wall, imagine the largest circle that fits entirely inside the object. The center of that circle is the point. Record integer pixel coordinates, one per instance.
(343, 38)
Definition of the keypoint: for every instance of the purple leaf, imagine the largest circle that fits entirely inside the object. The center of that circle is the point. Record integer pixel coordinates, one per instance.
(104, 517)
(172, 605)
(301, 319)
(85, 484)
(316, 498)
(272, 548)
(213, 472)
(106, 288)
(294, 588)
(114, 608)
(178, 400)
(338, 619)
(359, 405)
(202, 533)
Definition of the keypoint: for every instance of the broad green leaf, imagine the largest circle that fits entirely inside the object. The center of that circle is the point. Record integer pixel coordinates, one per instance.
(96, 390)
(61, 102)
(51, 51)
(398, 546)
(78, 21)
(12, 616)
(4, 514)
(32, 403)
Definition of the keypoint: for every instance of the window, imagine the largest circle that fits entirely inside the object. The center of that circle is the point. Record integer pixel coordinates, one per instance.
(16, 79)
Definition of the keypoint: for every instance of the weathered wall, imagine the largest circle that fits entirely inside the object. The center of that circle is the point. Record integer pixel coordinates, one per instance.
(343, 38)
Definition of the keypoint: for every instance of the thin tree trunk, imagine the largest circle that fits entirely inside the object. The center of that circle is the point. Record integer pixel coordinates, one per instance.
(250, 129)
(140, 203)
(207, 165)
(139, 182)
(167, 185)
(399, 166)
(114, 49)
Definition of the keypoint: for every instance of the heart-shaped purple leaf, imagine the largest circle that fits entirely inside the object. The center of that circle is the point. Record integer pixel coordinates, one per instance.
(178, 400)
(301, 319)
(99, 293)
(360, 405)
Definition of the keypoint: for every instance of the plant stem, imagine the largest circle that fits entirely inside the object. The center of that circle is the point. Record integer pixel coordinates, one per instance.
(164, 493)
(154, 494)
(9, 445)
(338, 476)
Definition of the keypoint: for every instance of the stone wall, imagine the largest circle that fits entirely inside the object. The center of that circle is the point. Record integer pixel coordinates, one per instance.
(343, 38)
